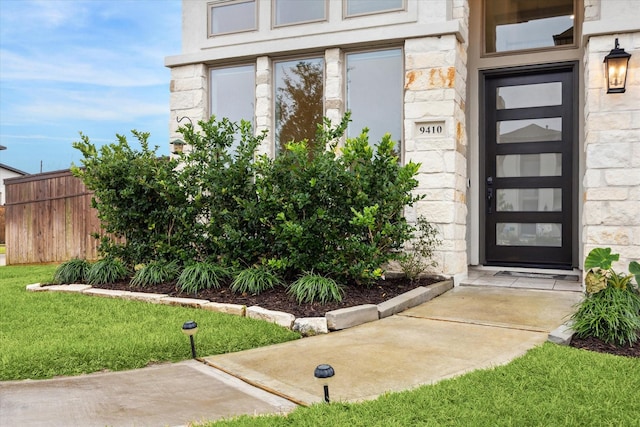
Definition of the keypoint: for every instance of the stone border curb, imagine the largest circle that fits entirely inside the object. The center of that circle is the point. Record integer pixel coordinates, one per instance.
(333, 321)
(562, 334)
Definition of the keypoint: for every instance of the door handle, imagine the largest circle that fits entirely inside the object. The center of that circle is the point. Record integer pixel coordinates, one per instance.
(490, 195)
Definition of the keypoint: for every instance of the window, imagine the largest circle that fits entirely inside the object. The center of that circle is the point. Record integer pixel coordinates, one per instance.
(299, 94)
(296, 11)
(528, 24)
(233, 94)
(232, 16)
(363, 7)
(375, 83)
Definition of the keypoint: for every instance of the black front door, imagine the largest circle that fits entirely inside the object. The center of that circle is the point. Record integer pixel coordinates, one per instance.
(528, 170)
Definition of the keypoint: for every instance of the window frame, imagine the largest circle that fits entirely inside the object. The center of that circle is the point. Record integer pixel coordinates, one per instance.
(222, 3)
(346, 15)
(274, 24)
(399, 139)
(577, 22)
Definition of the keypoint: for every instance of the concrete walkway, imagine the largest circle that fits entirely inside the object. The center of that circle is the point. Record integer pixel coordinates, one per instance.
(467, 328)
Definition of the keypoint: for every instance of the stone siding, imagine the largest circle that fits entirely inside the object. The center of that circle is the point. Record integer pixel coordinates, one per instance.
(611, 213)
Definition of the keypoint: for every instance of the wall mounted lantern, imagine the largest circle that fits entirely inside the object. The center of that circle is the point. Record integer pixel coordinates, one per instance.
(178, 146)
(324, 373)
(190, 328)
(616, 69)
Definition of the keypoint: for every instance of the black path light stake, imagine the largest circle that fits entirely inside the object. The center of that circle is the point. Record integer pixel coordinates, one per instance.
(324, 373)
(190, 328)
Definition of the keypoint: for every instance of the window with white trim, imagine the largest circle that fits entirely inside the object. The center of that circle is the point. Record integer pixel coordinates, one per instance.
(365, 7)
(287, 12)
(232, 17)
(299, 99)
(375, 86)
(233, 94)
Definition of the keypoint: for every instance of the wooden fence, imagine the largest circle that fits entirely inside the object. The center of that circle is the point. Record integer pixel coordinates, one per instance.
(49, 218)
(2, 225)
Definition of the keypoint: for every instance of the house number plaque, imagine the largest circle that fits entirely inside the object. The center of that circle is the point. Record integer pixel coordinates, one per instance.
(431, 129)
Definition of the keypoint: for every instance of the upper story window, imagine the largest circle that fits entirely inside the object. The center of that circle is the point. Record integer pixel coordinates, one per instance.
(527, 24)
(375, 88)
(288, 12)
(232, 16)
(299, 95)
(233, 94)
(364, 7)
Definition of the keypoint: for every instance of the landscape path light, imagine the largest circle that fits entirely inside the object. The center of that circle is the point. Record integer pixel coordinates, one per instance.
(324, 373)
(616, 63)
(190, 328)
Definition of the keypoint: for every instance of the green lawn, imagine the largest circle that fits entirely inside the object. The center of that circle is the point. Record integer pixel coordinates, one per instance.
(549, 386)
(3, 249)
(46, 334)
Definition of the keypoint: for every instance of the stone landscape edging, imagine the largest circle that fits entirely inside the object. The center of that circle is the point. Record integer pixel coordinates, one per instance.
(333, 320)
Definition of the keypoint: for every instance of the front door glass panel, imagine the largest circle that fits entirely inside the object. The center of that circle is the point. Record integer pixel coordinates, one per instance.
(525, 234)
(529, 130)
(529, 200)
(527, 96)
(521, 165)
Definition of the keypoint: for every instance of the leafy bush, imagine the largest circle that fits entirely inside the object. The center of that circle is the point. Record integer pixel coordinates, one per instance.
(155, 273)
(308, 209)
(418, 258)
(73, 271)
(255, 280)
(201, 275)
(137, 196)
(107, 270)
(314, 287)
(611, 308)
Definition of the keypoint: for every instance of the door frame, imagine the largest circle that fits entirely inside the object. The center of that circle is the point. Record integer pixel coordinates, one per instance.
(572, 67)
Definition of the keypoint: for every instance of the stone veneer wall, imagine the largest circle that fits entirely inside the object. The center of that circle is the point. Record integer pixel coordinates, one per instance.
(435, 91)
(188, 96)
(611, 214)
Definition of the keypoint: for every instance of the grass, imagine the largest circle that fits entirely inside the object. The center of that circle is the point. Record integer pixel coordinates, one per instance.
(549, 386)
(47, 334)
(3, 249)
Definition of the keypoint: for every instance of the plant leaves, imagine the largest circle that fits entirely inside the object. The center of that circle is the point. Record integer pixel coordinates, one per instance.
(600, 257)
(634, 268)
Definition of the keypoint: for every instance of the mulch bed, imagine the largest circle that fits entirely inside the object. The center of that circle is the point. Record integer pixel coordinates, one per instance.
(278, 299)
(383, 290)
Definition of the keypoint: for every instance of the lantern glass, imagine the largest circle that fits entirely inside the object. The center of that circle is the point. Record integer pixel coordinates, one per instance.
(616, 63)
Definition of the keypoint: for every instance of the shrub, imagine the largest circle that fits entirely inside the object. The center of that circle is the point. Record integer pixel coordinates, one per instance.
(107, 270)
(255, 280)
(73, 271)
(610, 310)
(418, 258)
(314, 287)
(201, 275)
(155, 273)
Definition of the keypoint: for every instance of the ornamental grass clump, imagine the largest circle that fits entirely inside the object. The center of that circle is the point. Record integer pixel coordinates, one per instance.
(611, 308)
(73, 271)
(202, 275)
(314, 287)
(255, 280)
(155, 273)
(107, 270)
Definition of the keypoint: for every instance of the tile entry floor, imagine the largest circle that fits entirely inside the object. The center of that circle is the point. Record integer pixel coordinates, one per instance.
(483, 276)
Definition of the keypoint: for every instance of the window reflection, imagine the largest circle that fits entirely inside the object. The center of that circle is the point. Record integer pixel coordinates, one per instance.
(361, 7)
(233, 17)
(529, 130)
(238, 84)
(294, 11)
(527, 24)
(527, 96)
(523, 234)
(299, 93)
(374, 93)
(529, 200)
(524, 165)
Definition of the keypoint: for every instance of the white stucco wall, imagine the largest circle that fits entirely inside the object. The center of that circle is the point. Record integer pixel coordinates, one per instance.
(5, 174)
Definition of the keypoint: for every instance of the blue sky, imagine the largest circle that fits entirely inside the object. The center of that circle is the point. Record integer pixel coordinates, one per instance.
(95, 66)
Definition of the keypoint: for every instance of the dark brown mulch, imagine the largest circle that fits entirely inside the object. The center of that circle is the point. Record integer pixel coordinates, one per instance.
(278, 299)
(383, 290)
(595, 344)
